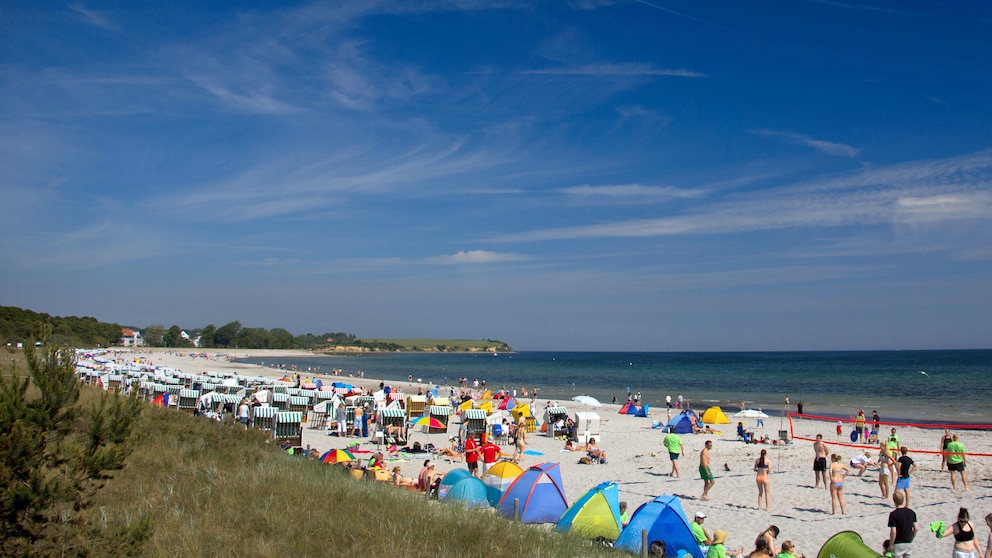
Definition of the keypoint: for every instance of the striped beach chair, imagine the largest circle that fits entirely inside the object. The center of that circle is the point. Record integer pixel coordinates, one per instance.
(552, 415)
(442, 413)
(475, 421)
(281, 401)
(286, 427)
(114, 382)
(261, 417)
(187, 400)
(298, 404)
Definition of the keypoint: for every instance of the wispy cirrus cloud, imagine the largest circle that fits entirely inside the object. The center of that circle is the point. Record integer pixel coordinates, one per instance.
(625, 193)
(828, 147)
(91, 17)
(611, 69)
(947, 191)
(477, 257)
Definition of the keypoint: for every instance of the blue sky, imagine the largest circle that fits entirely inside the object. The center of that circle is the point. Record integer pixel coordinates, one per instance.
(629, 175)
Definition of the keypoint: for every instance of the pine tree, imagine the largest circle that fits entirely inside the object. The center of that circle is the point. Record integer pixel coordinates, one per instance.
(54, 455)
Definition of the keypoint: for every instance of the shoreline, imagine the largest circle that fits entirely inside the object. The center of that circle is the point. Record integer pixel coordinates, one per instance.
(802, 513)
(555, 383)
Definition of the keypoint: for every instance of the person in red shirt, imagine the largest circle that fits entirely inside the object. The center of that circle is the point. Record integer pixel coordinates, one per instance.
(490, 455)
(472, 455)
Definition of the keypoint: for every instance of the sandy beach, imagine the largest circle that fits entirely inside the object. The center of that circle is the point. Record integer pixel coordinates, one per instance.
(639, 463)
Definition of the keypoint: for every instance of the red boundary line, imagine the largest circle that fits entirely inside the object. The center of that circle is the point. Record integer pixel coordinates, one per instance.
(862, 446)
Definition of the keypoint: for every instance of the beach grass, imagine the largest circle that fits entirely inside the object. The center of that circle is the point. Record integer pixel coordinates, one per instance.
(212, 489)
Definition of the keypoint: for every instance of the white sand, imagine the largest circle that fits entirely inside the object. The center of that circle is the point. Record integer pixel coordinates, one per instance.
(802, 513)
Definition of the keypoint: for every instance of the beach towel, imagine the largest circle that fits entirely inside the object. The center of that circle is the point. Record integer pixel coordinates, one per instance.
(938, 527)
(533, 452)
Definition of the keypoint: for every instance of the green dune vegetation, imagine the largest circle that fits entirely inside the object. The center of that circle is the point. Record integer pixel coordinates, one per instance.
(161, 483)
(441, 345)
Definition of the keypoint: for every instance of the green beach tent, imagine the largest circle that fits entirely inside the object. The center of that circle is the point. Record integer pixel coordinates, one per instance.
(846, 544)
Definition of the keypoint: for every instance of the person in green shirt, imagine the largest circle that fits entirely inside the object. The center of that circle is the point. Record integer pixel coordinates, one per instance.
(702, 537)
(787, 550)
(673, 444)
(955, 462)
(717, 549)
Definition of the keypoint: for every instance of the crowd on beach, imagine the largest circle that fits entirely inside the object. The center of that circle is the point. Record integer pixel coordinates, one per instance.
(772, 462)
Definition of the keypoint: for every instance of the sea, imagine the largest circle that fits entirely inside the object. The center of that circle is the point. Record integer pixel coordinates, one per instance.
(945, 387)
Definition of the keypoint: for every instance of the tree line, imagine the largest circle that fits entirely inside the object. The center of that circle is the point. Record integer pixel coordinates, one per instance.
(19, 326)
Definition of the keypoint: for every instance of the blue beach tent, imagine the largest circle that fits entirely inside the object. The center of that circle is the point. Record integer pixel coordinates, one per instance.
(664, 521)
(680, 424)
(595, 514)
(461, 488)
(643, 412)
(539, 493)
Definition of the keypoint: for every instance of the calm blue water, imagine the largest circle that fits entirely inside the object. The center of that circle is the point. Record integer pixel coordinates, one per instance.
(957, 386)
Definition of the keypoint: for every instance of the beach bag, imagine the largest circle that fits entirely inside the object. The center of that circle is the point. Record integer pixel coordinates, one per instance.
(585, 461)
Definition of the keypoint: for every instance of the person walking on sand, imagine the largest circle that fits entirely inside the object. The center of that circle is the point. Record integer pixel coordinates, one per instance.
(762, 469)
(902, 528)
(965, 542)
(673, 443)
(906, 468)
(704, 469)
(956, 461)
(837, 473)
(521, 443)
(820, 462)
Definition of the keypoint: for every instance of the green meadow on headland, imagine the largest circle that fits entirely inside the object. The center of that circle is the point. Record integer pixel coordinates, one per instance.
(442, 345)
(190, 486)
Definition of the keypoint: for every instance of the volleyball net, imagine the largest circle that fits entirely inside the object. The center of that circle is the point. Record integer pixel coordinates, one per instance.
(916, 437)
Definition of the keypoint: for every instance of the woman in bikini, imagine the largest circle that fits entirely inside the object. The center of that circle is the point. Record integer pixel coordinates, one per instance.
(965, 543)
(886, 470)
(837, 473)
(762, 468)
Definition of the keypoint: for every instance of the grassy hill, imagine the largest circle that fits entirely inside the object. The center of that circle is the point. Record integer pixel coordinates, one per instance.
(212, 489)
(442, 345)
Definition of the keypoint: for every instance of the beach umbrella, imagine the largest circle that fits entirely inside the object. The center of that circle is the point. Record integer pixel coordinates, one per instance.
(337, 456)
(587, 400)
(750, 413)
(428, 421)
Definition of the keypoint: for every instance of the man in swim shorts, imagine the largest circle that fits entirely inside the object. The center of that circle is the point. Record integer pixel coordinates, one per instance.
(673, 444)
(906, 468)
(820, 462)
(955, 461)
(704, 469)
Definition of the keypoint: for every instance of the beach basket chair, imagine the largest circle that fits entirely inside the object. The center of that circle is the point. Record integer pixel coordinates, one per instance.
(174, 391)
(475, 422)
(415, 405)
(298, 404)
(187, 400)
(114, 382)
(280, 401)
(261, 417)
(530, 424)
(393, 416)
(500, 436)
(442, 413)
(556, 418)
(287, 428)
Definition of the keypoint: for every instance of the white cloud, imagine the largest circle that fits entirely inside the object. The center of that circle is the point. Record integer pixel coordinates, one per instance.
(91, 17)
(625, 193)
(945, 191)
(477, 257)
(828, 147)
